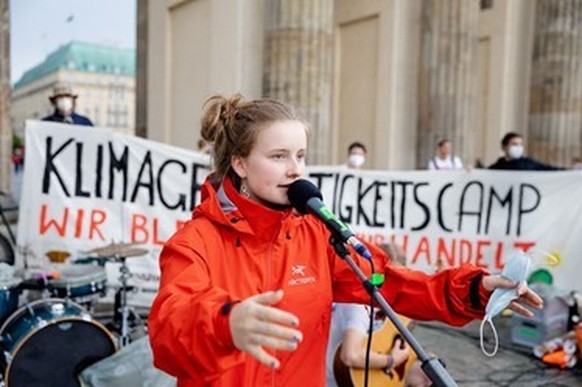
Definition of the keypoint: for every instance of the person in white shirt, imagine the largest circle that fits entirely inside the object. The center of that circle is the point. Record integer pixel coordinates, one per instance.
(444, 159)
(349, 327)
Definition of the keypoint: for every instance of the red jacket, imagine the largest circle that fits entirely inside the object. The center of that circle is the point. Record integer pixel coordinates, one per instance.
(234, 248)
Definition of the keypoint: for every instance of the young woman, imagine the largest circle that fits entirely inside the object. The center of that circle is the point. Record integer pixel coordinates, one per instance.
(247, 285)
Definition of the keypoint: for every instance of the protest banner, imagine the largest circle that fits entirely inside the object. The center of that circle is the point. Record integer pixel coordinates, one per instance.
(86, 188)
(448, 218)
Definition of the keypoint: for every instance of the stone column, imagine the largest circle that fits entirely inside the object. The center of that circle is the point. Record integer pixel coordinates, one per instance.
(298, 65)
(448, 77)
(555, 120)
(5, 128)
(141, 85)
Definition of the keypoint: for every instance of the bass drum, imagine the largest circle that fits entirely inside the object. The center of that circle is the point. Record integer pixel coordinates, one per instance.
(49, 342)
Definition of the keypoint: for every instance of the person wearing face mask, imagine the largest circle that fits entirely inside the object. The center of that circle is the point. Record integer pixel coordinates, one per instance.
(513, 159)
(63, 101)
(356, 155)
(348, 337)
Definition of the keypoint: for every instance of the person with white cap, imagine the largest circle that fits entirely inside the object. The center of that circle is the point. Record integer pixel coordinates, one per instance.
(63, 100)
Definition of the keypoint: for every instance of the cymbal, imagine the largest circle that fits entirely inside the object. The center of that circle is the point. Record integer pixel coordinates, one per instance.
(119, 250)
(135, 252)
(58, 256)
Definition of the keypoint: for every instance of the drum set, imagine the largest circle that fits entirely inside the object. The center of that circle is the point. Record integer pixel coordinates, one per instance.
(49, 340)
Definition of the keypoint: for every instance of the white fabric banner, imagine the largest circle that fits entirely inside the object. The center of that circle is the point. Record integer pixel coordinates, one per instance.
(480, 217)
(85, 188)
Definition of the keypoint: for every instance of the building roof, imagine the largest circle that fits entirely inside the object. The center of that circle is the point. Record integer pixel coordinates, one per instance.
(84, 57)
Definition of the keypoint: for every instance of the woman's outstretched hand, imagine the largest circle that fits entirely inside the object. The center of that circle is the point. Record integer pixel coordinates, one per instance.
(526, 296)
(255, 325)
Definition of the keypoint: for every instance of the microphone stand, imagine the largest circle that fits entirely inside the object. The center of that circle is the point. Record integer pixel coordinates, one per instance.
(432, 367)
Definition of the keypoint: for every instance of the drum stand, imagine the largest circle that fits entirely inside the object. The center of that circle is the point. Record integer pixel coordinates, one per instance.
(122, 312)
(121, 306)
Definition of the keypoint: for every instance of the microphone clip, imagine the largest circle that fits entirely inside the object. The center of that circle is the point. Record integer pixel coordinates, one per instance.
(339, 246)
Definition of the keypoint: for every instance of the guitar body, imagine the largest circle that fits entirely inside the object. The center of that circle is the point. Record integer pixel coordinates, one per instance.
(382, 341)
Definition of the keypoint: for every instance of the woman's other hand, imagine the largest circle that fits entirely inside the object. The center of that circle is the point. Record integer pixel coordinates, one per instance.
(526, 296)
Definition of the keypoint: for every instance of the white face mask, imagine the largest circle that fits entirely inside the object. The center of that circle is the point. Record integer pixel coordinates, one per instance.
(515, 151)
(517, 270)
(356, 161)
(65, 105)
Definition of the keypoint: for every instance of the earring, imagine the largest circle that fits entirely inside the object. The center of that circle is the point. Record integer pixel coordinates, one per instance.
(244, 190)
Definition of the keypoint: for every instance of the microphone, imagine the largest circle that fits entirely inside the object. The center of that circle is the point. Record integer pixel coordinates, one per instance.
(306, 198)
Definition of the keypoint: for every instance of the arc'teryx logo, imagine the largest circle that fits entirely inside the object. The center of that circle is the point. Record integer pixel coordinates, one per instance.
(298, 270)
(299, 275)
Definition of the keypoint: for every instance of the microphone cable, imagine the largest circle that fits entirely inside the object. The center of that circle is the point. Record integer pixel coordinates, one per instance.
(370, 331)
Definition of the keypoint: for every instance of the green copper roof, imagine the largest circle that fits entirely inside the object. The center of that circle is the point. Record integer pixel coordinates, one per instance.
(84, 57)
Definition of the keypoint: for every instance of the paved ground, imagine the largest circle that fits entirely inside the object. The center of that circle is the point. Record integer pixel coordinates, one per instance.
(512, 366)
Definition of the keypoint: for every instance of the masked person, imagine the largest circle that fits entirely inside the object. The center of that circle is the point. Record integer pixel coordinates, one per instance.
(513, 159)
(63, 101)
(356, 155)
(247, 284)
(348, 338)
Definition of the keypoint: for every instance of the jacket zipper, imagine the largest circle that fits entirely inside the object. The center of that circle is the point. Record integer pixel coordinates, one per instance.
(270, 285)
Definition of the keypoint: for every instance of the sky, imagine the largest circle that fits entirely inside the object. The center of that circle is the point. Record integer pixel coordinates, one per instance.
(39, 27)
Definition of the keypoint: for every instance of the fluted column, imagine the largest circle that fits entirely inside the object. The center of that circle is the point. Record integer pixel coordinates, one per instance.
(555, 120)
(448, 77)
(298, 64)
(141, 84)
(5, 129)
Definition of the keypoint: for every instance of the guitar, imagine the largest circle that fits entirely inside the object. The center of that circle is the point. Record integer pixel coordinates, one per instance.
(382, 341)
